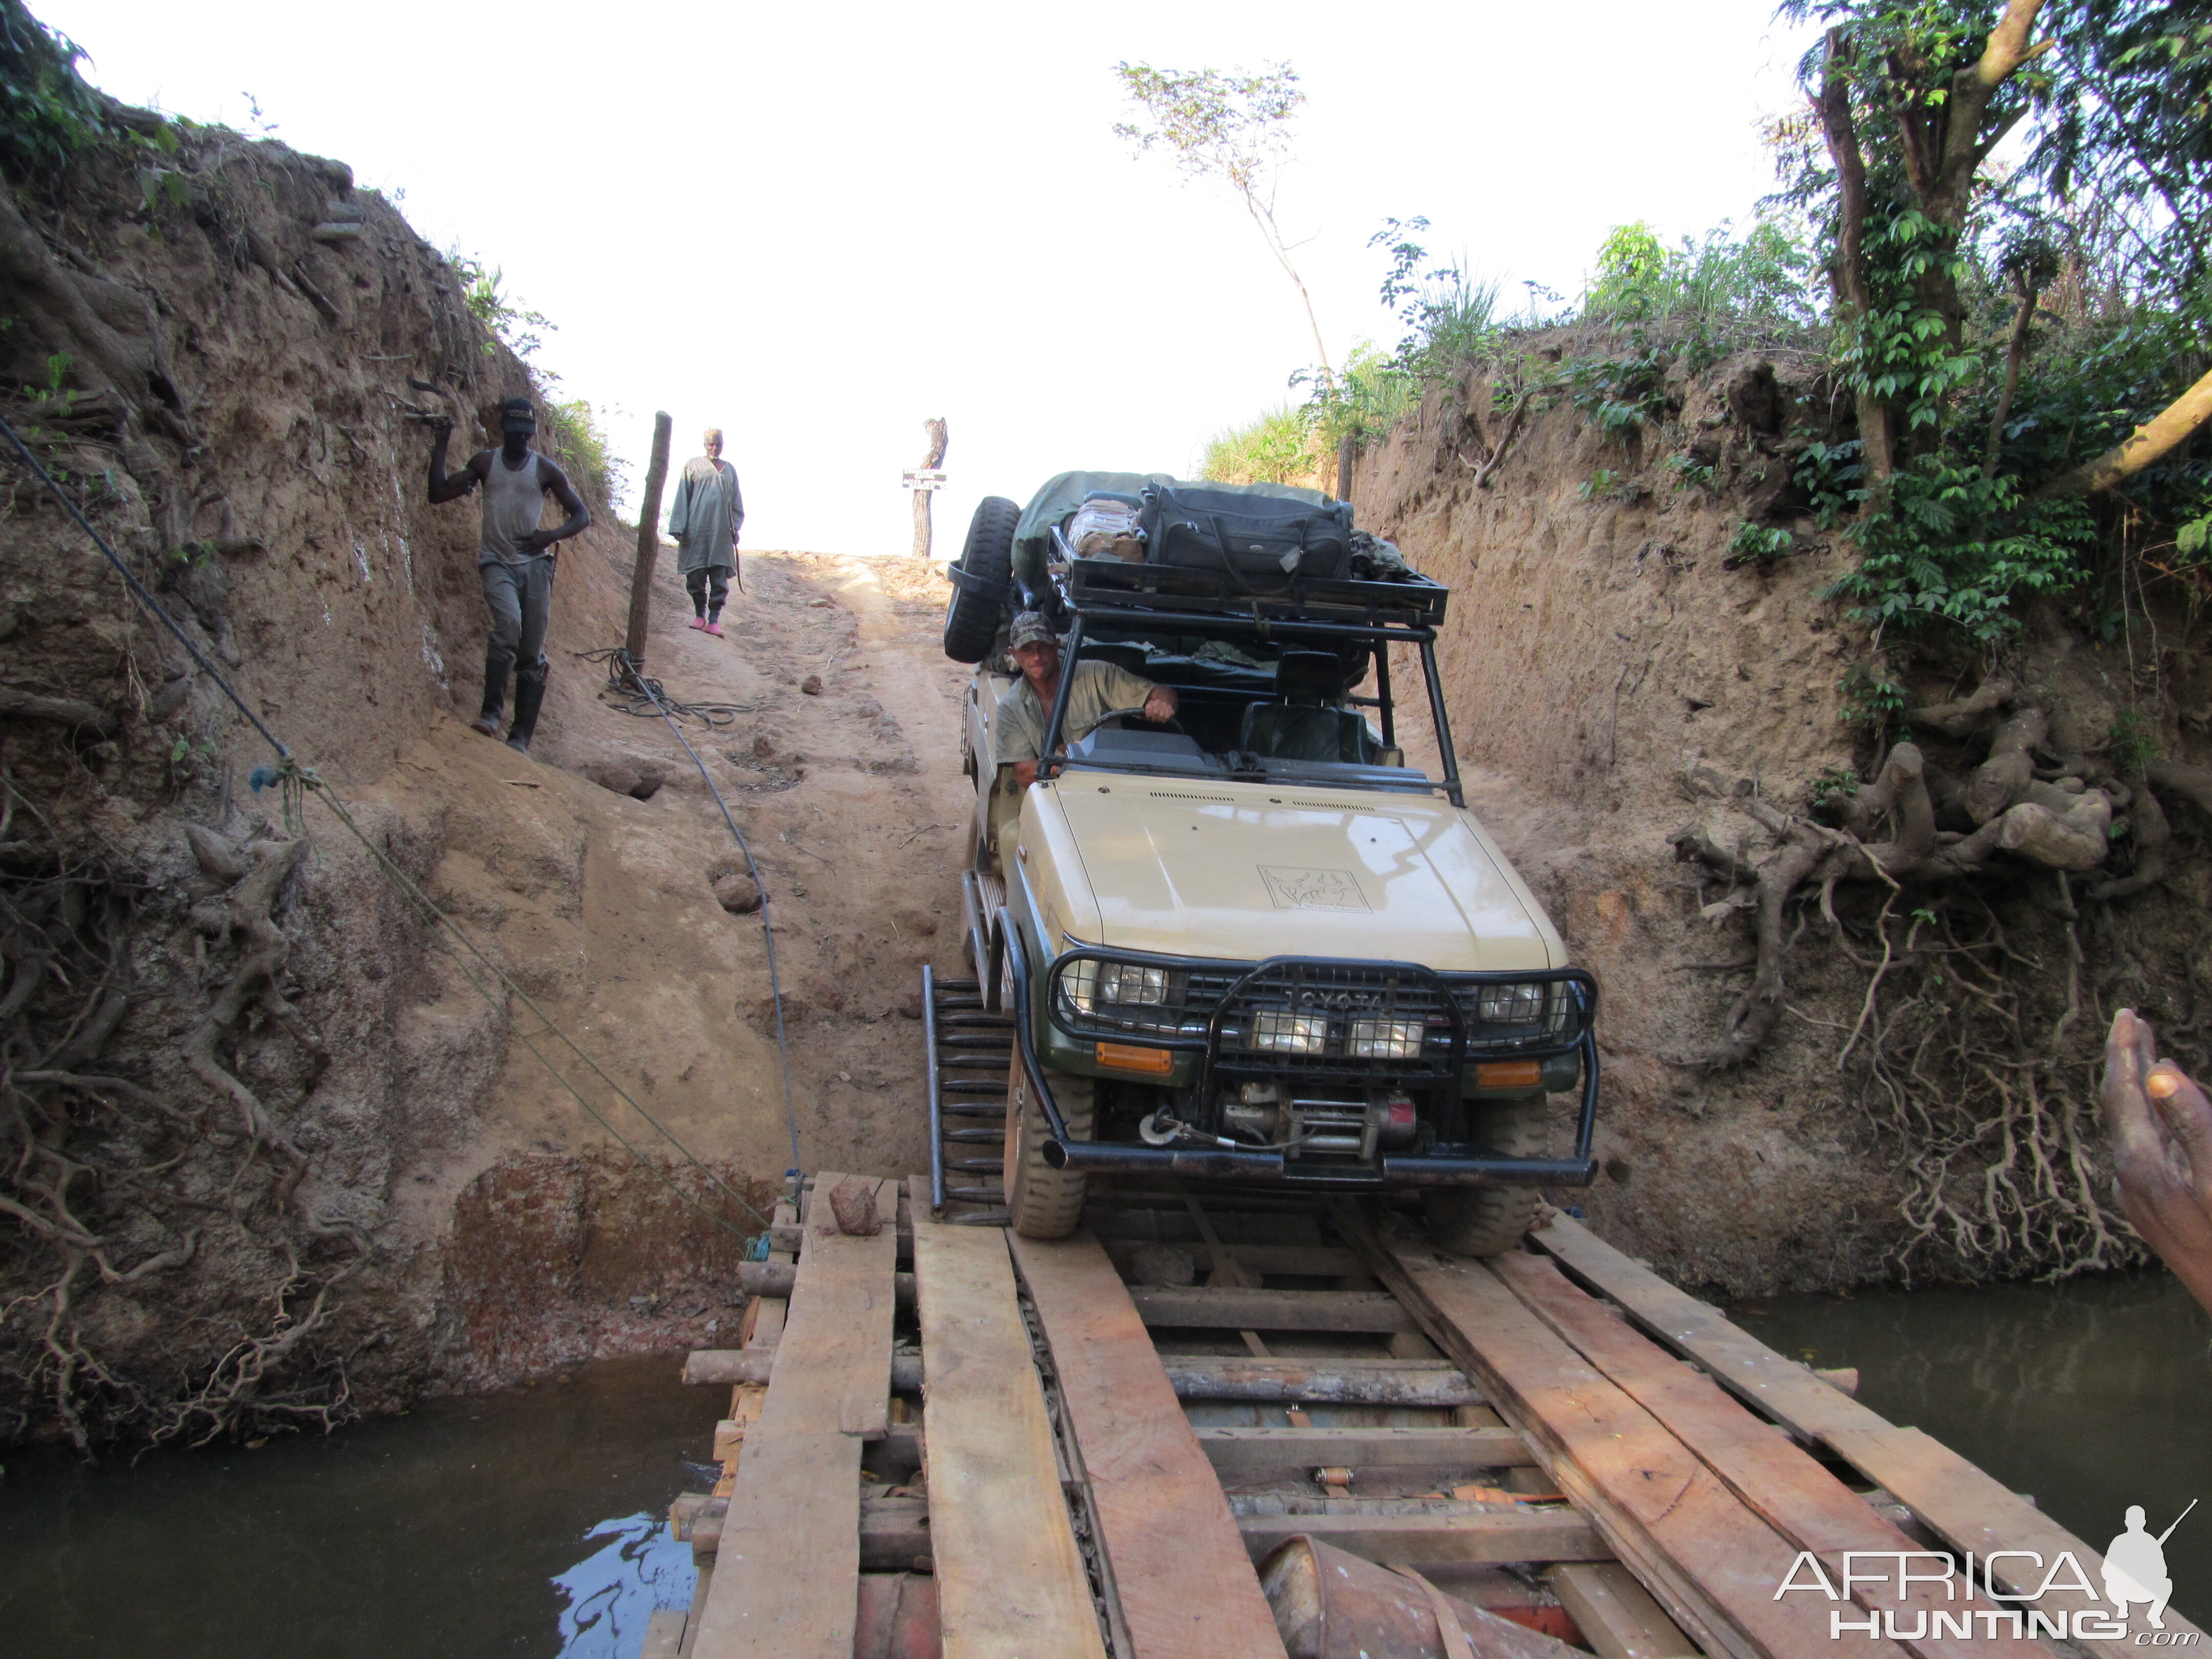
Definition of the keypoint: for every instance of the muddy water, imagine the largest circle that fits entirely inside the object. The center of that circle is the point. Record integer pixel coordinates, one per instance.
(528, 1523)
(2089, 1395)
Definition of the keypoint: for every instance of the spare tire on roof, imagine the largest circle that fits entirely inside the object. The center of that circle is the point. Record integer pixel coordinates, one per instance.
(986, 564)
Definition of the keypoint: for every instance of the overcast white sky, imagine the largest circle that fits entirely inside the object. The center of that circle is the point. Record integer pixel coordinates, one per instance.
(815, 226)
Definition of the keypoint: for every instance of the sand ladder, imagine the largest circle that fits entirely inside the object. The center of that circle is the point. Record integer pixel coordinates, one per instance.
(970, 1052)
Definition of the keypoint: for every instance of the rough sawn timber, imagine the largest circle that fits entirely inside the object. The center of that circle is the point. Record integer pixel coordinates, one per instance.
(1186, 1587)
(1713, 1562)
(1773, 1475)
(787, 1576)
(1953, 1499)
(1010, 1575)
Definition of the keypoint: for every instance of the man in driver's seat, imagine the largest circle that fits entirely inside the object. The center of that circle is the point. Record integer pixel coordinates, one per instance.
(1095, 689)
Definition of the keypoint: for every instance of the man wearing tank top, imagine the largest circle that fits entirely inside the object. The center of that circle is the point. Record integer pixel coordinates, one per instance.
(516, 559)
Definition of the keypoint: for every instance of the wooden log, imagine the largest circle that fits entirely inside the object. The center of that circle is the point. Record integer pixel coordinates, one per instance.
(1321, 1382)
(72, 711)
(784, 1239)
(1435, 1541)
(1234, 1307)
(1178, 1565)
(648, 543)
(998, 1515)
(774, 1278)
(1331, 1604)
(894, 1532)
(1363, 1448)
(728, 1365)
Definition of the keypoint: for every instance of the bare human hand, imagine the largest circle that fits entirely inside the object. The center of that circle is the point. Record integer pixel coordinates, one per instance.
(2161, 1129)
(1160, 705)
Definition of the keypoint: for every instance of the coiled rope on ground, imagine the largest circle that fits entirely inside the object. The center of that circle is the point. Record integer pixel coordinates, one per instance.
(299, 780)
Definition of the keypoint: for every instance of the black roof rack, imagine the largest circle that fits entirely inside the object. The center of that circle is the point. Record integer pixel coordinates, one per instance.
(1140, 593)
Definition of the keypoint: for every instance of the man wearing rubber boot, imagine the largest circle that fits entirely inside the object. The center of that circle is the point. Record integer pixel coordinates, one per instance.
(705, 519)
(516, 559)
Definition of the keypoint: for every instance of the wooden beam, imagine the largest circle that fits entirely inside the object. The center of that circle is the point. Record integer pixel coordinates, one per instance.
(1436, 1540)
(1800, 1500)
(1321, 1382)
(1186, 1587)
(1009, 1575)
(787, 1576)
(1234, 1308)
(771, 1278)
(725, 1366)
(1958, 1502)
(1359, 1447)
(1713, 1563)
(1616, 1615)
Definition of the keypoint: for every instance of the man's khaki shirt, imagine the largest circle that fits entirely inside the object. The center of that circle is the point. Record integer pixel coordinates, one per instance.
(1095, 689)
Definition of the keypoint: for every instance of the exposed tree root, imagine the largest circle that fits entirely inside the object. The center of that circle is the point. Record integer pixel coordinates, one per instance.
(2000, 1170)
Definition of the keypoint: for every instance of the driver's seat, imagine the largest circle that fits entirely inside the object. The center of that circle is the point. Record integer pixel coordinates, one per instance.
(1306, 725)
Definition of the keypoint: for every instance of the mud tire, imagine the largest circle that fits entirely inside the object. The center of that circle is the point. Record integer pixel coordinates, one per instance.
(1486, 1221)
(971, 620)
(1043, 1202)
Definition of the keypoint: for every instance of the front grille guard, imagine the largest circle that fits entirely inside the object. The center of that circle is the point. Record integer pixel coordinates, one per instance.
(1225, 1161)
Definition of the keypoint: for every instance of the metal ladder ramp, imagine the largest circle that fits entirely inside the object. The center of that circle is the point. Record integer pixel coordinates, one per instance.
(970, 1055)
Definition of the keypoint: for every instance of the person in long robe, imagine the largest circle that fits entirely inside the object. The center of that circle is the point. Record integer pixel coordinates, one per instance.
(705, 519)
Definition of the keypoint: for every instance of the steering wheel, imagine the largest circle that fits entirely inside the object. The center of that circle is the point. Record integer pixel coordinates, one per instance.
(1170, 723)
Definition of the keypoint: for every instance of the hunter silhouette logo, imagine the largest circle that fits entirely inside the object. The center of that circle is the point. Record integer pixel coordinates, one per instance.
(1993, 1601)
(2135, 1566)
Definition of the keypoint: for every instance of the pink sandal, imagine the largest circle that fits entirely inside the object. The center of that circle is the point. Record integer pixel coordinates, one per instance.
(715, 628)
(699, 622)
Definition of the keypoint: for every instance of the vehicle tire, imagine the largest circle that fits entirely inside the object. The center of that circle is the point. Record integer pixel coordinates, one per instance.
(1483, 1221)
(971, 620)
(1043, 1202)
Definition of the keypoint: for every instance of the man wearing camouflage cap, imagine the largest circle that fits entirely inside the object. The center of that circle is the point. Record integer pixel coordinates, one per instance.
(1095, 689)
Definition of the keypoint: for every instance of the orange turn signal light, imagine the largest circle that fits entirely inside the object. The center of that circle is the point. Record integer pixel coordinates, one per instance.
(1126, 1057)
(1509, 1074)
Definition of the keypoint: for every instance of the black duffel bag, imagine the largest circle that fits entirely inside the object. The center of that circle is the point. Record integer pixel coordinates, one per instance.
(1262, 540)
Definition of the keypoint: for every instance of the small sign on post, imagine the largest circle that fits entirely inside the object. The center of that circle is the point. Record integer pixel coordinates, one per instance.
(925, 481)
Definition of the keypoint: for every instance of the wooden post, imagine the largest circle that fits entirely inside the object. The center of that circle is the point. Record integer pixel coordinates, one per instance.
(1345, 451)
(930, 462)
(648, 542)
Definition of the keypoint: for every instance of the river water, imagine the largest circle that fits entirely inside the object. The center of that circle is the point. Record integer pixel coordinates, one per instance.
(2088, 1395)
(532, 1521)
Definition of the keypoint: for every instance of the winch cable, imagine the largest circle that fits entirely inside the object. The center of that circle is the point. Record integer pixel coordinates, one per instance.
(643, 697)
(623, 671)
(293, 774)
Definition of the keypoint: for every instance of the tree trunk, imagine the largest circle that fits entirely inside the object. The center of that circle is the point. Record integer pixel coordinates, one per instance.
(2171, 426)
(1854, 298)
(932, 459)
(648, 543)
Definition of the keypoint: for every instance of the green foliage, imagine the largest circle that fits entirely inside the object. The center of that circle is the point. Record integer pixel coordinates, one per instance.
(55, 387)
(1369, 395)
(1707, 297)
(520, 330)
(1833, 478)
(1960, 550)
(1234, 126)
(48, 113)
(1692, 474)
(1620, 394)
(579, 440)
(1599, 484)
(2130, 744)
(1280, 446)
(1758, 545)
(1834, 789)
(2190, 539)
(1450, 319)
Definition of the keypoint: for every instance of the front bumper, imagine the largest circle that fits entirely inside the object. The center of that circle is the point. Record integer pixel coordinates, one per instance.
(1452, 1167)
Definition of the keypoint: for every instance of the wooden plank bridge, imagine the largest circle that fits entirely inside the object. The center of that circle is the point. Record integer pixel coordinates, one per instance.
(1208, 1427)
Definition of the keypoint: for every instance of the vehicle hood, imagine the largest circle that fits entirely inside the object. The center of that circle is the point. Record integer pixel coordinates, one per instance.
(1243, 872)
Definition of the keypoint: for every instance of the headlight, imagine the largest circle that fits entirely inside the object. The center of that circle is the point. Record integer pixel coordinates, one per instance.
(1089, 982)
(1387, 1039)
(1520, 1004)
(1274, 1031)
(1132, 982)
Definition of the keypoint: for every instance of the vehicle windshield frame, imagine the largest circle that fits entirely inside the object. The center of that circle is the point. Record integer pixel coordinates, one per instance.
(1379, 635)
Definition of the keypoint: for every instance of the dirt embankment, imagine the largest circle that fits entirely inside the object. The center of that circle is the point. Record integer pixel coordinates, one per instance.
(271, 1156)
(1614, 682)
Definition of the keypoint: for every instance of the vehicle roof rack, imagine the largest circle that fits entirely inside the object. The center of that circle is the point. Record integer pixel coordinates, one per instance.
(1168, 592)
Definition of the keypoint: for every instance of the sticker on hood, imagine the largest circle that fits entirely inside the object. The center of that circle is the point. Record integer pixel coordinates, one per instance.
(1312, 890)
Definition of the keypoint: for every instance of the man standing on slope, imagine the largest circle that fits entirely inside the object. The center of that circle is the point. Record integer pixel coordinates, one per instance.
(516, 559)
(704, 520)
